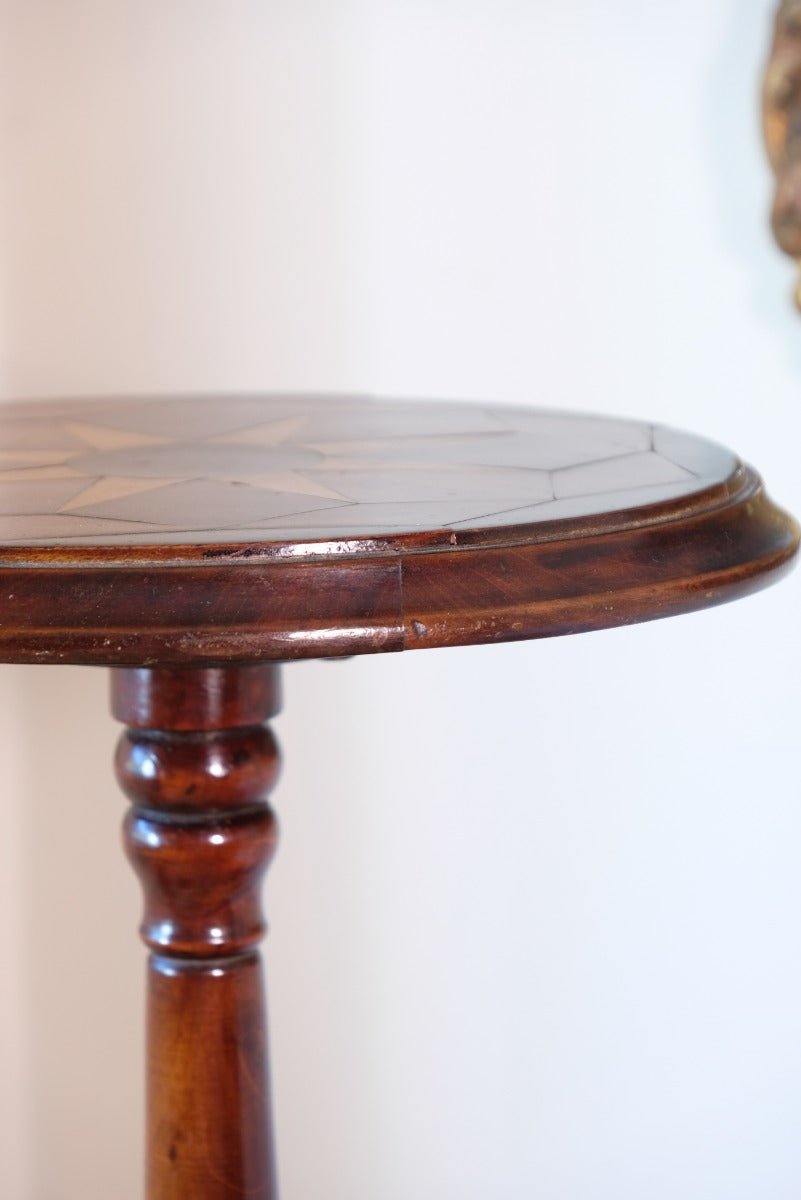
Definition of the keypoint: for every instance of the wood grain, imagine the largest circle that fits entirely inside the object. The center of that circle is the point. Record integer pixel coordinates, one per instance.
(151, 605)
(197, 761)
(193, 544)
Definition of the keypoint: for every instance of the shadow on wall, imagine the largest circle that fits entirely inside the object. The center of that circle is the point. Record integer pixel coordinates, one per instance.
(82, 978)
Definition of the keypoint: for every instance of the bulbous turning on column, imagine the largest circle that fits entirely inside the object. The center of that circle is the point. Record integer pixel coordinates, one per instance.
(197, 762)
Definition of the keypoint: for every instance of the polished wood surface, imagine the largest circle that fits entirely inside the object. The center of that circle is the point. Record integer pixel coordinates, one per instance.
(268, 469)
(221, 530)
(197, 761)
(191, 543)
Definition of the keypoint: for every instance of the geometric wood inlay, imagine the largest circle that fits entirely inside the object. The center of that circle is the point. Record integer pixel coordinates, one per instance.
(276, 468)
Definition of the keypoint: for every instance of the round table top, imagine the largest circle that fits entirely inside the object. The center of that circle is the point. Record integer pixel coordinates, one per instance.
(238, 528)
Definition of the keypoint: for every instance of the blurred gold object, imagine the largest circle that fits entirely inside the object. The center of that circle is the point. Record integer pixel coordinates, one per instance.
(781, 109)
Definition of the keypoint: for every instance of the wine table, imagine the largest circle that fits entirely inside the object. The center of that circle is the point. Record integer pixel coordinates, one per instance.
(193, 544)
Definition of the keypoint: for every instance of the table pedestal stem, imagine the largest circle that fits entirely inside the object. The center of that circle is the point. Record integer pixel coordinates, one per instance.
(197, 760)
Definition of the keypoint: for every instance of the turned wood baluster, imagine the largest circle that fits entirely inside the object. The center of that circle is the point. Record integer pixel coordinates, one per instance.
(197, 760)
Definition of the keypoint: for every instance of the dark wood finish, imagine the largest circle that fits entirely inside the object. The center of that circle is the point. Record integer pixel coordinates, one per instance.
(430, 525)
(197, 761)
(213, 699)
(781, 107)
(188, 543)
(218, 475)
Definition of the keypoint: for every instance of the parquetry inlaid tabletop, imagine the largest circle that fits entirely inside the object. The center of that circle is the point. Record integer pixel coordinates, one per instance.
(208, 528)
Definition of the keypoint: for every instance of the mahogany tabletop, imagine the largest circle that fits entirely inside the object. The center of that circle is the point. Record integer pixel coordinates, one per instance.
(214, 529)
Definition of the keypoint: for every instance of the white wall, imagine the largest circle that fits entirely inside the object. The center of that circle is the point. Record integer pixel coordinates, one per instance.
(534, 920)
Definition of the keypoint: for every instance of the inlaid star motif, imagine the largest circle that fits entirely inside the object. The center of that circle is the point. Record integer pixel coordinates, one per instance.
(272, 468)
(147, 463)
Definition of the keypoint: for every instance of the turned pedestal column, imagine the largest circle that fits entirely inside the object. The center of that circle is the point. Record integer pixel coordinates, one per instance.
(197, 762)
(191, 544)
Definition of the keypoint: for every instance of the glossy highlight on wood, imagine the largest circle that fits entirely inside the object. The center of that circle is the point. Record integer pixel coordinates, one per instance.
(203, 531)
(194, 543)
(197, 761)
